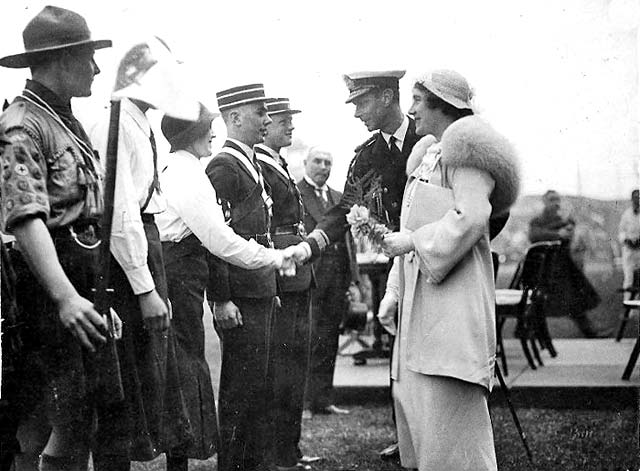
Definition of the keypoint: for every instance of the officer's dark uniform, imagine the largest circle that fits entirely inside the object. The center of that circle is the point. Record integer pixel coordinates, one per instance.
(292, 322)
(244, 383)
(376, 179)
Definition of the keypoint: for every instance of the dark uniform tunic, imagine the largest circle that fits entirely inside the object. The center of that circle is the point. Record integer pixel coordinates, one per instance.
(244, 382)
(376, 179)
(292, 322)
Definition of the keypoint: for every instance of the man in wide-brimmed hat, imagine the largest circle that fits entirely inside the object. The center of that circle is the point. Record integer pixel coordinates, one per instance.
(51, 200)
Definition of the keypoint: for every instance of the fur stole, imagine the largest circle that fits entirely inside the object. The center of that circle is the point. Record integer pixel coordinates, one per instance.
(472, 142)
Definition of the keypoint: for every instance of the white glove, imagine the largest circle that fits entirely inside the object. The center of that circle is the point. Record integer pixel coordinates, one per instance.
(386, 314)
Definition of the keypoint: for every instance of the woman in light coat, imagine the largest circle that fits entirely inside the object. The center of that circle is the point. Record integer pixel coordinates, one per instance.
(442, 280)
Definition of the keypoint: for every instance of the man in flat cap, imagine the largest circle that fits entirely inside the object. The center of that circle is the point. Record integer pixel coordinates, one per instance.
(292, 321)
(52, 199)
(244, 300)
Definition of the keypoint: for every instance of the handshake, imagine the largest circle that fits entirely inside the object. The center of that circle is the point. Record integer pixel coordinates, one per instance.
(292, 256)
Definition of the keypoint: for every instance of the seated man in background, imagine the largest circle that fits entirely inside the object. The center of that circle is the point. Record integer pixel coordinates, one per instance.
(570, 294)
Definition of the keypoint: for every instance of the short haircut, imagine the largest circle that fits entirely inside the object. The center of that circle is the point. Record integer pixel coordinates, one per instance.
(377, 91)
(434, 102)
(550, 193)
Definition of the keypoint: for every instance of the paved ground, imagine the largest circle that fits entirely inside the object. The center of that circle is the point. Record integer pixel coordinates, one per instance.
(580, 363)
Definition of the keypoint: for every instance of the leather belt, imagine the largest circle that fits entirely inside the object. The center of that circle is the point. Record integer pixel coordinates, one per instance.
(262, 239)
(84, 233)
(290, 229)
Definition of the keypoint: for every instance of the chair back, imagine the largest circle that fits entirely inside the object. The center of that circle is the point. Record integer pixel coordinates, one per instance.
(535, 270)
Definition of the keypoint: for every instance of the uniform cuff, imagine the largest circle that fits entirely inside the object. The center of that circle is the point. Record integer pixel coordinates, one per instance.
(140, 280)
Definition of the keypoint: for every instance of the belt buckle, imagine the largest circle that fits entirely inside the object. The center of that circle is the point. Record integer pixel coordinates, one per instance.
(302, 232)
(87, 239)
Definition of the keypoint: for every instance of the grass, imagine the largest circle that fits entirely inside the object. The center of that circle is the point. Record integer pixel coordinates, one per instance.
(561, 439)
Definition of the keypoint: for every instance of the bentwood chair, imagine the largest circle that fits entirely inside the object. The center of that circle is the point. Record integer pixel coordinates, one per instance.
(525, 301)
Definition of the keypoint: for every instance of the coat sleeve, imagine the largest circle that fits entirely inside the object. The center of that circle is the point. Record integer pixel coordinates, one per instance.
(440, 245)
(393, 280)
(224, 178)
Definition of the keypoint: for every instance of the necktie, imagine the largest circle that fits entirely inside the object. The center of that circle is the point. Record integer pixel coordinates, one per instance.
(393, 147)
(155, 184)
(156, 181)
(322, 196)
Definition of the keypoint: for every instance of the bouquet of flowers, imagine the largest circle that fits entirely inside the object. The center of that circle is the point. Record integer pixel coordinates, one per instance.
(363, 225)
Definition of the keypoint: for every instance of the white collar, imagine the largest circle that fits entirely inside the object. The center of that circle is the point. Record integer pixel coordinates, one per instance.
(248, 151)
(137, 115)
(269, 151)
(324, 187)
(399, 133)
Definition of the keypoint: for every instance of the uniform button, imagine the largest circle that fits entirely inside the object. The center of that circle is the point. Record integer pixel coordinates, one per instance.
(385, 190)
(394, 205)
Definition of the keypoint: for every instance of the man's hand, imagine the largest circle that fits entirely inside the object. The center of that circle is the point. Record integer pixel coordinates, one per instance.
(227, 315)
(565, 233)
(155, 313)
(387, 313)
(301, 252)
(396, 243)
(82, 320)
(288, 267)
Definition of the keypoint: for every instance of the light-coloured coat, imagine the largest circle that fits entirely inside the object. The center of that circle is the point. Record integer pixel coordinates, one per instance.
(445, 287)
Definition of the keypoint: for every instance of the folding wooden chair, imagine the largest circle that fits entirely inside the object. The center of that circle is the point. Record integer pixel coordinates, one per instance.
(525, 301)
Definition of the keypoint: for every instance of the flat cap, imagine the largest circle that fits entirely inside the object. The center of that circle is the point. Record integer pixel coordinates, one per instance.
(360, 83)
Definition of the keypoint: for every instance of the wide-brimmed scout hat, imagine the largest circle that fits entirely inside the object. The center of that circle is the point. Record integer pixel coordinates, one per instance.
(279, 106)
(448, 85)
(52, 29)
(360, 83)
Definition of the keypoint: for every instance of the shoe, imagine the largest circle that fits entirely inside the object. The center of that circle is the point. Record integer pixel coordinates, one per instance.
(332, 409)
(390, 453)
(306, 459)
(296, 467)
(307, 414)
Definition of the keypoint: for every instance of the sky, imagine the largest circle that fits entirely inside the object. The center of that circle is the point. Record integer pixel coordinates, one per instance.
(560, 79)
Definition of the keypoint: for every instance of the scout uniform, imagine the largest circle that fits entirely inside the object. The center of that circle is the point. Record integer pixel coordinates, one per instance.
(49, 171)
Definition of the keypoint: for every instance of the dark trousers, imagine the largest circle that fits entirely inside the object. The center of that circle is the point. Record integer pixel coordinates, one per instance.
(290, 351)
(245, 387)
(329, 305)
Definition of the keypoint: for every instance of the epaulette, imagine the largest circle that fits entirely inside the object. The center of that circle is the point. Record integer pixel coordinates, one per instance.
(366, 143)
